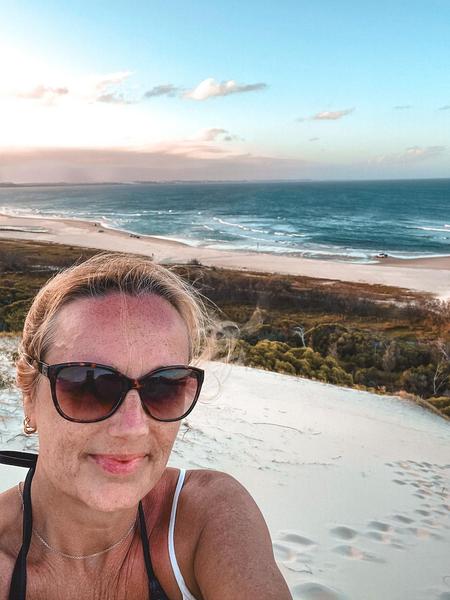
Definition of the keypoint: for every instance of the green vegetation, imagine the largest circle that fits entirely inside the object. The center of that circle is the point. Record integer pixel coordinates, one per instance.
(377, 338)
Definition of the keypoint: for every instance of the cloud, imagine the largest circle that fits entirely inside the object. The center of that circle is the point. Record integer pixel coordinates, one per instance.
(313, 139)
(162, 90)
(332, 115)
(106, 81)
(212, 134)
(217, 133)
(113, 98)
(105, 88)
(210, 88)
(44, 94)
(206, 144)
(92, 88)
(411, 154)
(402, 106)
(445, 107)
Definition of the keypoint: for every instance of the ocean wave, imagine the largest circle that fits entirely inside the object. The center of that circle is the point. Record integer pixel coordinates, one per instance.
(445, 229)
(239, 226)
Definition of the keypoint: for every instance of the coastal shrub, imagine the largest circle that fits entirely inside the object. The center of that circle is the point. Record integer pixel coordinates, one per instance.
(341, 377)
(304, 369)
(13, 316)
(419, 380)
(282, 366)
(320, 338)
(440, 402)
(360, 348)
(411, 354)
(280, 357)
(371, 377)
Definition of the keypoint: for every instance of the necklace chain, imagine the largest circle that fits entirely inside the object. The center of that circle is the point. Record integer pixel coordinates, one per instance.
(77, 557)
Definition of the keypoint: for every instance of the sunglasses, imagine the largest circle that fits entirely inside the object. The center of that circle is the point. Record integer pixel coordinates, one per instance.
(88, 392)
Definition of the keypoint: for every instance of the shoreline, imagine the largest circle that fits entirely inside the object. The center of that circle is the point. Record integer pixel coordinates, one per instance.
(429, 275)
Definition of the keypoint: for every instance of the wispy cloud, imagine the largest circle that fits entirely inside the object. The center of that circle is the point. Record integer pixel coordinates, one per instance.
(402, 106)
(210, 88)
(206, 144)
(106, 81)
(167, 89)
(332, 115)
(445, 107)
(42, 92)
(105, 88)
(411, 154)
(113, 98)
(218, 134)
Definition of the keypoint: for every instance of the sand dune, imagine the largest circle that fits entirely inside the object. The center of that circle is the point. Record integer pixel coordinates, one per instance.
(355, 487)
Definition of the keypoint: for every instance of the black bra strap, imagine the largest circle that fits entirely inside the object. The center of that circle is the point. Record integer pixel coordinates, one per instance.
(156, 591)
(18, 588)
(18, 459)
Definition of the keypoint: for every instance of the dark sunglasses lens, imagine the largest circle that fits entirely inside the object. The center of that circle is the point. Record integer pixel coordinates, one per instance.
(87, 393)
(169, 393)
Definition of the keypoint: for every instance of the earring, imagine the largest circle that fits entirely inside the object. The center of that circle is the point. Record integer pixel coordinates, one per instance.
(27, 429)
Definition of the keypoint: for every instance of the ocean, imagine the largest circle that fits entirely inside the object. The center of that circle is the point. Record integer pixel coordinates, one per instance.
(331, 220)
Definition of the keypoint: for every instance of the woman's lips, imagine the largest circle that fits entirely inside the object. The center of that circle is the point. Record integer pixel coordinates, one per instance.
(119, 464)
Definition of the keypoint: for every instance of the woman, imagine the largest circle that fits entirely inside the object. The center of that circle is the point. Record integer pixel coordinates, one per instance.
(103, 368)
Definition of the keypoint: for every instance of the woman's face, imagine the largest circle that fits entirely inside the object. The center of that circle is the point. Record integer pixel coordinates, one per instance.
(135, 336)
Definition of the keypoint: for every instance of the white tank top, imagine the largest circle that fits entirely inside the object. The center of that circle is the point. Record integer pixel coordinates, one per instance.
(173, 559)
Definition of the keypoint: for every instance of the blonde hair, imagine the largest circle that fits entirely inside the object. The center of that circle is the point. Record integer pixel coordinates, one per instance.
(98, 276)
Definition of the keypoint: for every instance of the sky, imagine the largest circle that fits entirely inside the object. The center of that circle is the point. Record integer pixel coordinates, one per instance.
(164, 90)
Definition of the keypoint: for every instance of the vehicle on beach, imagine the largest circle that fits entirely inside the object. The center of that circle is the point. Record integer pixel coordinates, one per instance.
(381, 255)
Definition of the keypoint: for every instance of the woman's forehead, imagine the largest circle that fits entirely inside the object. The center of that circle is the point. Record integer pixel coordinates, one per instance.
(115, 306)
(118, 318)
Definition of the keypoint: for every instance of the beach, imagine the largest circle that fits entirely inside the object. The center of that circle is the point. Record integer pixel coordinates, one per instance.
(354, 487)
(429, 275)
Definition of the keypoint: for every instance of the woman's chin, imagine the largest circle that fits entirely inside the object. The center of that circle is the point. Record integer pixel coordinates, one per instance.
(111, 497)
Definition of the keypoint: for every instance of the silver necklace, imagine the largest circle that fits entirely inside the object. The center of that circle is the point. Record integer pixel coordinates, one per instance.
(76, 557)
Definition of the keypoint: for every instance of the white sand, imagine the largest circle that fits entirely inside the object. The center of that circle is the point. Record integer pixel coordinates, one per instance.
(354, 487)
(431, 275)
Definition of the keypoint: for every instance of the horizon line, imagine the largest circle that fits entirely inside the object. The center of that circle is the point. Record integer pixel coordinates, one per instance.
(12, 184)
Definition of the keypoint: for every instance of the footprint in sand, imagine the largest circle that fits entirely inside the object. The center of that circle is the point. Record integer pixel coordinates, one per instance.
(290, 548)
(344, 533)
(379, 536)
(357, 554)
(295, 538)
(380, 526)
(316, 591)
(283, 553)
(403, 519)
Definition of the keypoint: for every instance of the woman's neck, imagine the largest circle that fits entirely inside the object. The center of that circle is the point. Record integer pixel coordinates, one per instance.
(72, 527)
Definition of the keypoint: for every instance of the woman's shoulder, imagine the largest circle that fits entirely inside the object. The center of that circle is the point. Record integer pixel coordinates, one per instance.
(10, 517)
(10, 534)
(229, 532)
(211, 499)
(202, 487)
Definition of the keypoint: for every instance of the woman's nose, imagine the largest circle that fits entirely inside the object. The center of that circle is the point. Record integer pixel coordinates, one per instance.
(130, 418)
